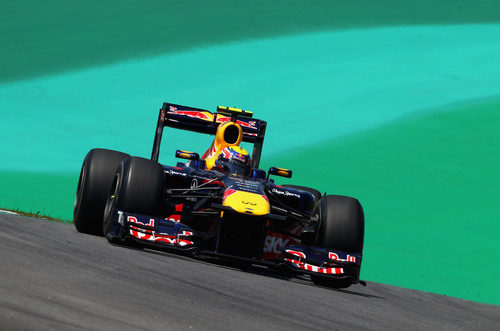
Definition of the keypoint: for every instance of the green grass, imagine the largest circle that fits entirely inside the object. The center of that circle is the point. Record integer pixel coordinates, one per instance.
(38, 38)
(37, 215)
(430, 187)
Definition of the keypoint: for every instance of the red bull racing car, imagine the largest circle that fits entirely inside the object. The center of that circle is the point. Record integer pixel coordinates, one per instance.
(220, 204)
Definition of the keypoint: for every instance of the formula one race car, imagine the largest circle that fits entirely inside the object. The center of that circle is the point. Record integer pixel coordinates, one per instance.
(220, 204)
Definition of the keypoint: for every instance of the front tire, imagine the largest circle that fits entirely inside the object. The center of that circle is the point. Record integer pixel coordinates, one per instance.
(94, 184)
(137, 188)
(342, 227)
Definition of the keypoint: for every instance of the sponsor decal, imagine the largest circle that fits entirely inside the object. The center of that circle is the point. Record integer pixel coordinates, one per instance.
(275, 241)
(309, 267)
(285, 193)
(246, 185)
(273, 244)
(335, 257)
(191, 113)
(207, 116)
(133, 219)
(194, 183)
(161, 238)
(178, 240)
(249, 124)
(173, 172)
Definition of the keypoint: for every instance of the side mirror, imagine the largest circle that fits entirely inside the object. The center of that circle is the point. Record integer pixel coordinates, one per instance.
(187, 155)
(279, 172)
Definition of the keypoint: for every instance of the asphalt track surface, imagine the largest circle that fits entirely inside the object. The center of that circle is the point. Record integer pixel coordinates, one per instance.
(52, 277)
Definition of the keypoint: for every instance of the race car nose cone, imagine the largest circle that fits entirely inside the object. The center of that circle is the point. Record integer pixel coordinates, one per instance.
(246, 202)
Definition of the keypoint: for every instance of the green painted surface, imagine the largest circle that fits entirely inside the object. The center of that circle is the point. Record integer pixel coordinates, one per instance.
(327, 77)
(40, 37)
(430, 187)
(49, 194)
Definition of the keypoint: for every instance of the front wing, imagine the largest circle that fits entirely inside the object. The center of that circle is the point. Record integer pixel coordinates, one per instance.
(161, 233)
(149, 230)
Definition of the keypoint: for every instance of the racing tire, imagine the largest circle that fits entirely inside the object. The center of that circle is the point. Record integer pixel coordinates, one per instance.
(137, 188)
(342, 227)
(96, 177)
(316, 193)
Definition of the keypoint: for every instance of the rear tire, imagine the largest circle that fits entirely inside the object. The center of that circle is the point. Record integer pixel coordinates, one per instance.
(137, 188)
(342, 227)
(94, 184)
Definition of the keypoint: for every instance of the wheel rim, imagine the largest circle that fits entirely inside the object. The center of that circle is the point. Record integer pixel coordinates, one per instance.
(111, 203)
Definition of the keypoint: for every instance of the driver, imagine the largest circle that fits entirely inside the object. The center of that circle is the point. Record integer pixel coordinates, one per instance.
(234, 160)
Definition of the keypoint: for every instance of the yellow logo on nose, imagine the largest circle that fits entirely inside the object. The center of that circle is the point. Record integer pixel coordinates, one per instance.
(247, 203)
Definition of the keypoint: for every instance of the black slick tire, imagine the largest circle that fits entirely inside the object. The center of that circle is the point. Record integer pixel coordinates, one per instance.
(342, 227)
(96, 177)
(137, 188)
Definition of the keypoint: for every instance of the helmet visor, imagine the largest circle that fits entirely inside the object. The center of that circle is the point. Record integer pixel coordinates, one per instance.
(234, 166)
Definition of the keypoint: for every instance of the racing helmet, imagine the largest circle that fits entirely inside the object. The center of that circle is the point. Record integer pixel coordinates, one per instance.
(234, 160)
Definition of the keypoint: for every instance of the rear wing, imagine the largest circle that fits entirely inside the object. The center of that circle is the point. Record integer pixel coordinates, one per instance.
(204, 121)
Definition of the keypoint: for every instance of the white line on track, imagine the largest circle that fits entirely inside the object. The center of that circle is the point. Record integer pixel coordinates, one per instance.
(8, 212)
